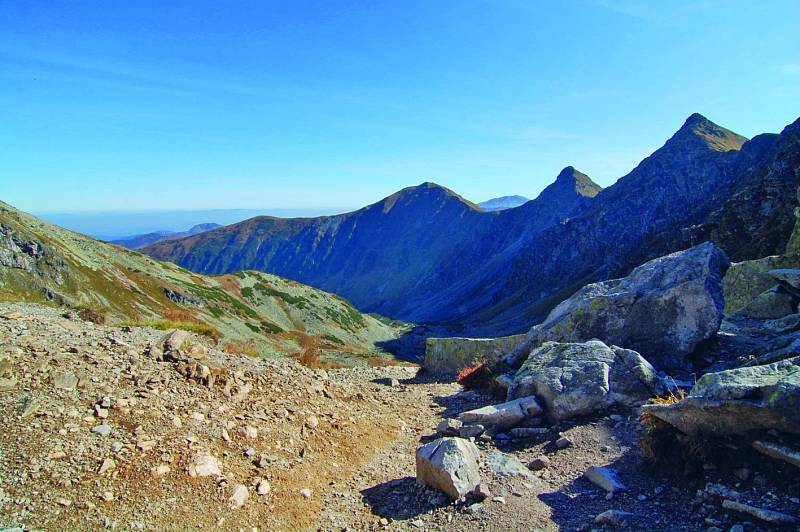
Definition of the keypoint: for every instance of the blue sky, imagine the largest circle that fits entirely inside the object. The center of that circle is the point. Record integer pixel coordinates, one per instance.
(334, 104)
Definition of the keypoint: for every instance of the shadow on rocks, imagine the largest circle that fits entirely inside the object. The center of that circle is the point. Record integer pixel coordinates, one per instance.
(402, 498)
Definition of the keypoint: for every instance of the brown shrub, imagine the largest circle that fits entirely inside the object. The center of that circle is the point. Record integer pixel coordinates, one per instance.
(98, 317)
(475, 377)
(235, 347)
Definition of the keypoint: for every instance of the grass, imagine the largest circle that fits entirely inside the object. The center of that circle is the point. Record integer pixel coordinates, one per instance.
(662, 444)
(235, 347)
(200, 328)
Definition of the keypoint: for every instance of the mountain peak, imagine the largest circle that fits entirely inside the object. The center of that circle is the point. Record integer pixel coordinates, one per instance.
(427, 192)
(699, 130)
(578, 182)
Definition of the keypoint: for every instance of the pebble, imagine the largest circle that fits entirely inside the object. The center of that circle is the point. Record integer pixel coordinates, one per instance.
(103, 430)
(239, 496)
(539, 463)
(312, 422)
(107, 465)
(563, 442)
(263, 488)
(306, 493)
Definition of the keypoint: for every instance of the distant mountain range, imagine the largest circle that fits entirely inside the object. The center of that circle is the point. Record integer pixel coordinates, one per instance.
(137, 241)
(426, 255)
(502, 203)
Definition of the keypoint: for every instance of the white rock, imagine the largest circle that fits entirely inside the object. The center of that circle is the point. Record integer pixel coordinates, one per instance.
(239, 496)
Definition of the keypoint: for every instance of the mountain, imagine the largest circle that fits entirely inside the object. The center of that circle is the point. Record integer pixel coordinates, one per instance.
(138, 241)
(393, 257)
(502, 203)
(251, 311)
(425, 255)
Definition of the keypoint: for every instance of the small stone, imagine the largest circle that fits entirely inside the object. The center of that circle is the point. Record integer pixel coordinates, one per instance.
(161, 470)
(384, 522)
(604, 478)
(613, 518)
(394, 383)
(306, 493)
(197, 416)
(474, 508)
(471, 431)
(501, 500)
(642, 497)
(107, 465)
(263, 488)
(312, 422)
(205, 465)
(108, 496)
(239, 496)
(103, 430)
(250, 432)
(176, 422)
(61, 501)
(449, 427)
(539, 463)
(563, 443)
(482, 491)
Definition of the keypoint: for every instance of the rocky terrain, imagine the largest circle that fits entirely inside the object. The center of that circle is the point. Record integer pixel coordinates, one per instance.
(249, 311)
(425, 255)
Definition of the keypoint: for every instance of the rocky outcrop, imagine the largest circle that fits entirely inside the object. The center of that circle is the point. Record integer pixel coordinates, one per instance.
(450, 355)
(663, 309)
(575, 379)
(737, 401)
(449, 465)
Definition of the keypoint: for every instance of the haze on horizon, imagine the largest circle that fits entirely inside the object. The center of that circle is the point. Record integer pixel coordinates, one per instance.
(334, 105)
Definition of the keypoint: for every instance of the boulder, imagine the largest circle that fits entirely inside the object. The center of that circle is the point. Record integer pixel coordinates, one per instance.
(575, 379)
(769, 305)
(503, 415)
(663, 309)
(737, 401)
(449, 465)
(745, 280)
(448, 356)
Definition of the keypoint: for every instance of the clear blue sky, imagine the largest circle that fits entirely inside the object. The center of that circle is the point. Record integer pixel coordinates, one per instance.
(297, 104)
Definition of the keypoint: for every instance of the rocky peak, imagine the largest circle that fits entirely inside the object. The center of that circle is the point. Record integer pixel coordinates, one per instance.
(701, 132)
(570, 184)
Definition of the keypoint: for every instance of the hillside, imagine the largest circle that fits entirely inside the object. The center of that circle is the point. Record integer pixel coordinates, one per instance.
(435, 258)
(250, 311)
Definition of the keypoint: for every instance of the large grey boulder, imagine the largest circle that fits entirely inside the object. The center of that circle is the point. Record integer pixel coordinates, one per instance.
(574, 379)
(663, 309)
(503, 415)
(449, 465)
(738, 401)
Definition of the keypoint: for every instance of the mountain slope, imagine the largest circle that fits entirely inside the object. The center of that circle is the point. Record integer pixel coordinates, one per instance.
(40, 262)
(502, 203)
(392, 257)
(138, 241)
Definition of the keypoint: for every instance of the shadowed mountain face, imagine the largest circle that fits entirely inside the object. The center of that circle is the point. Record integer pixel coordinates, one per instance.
(426, 255)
